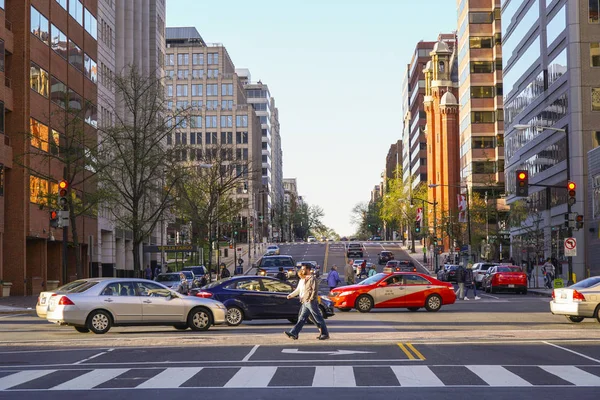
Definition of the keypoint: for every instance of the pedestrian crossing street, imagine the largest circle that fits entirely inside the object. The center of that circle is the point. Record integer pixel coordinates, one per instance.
(300, 376)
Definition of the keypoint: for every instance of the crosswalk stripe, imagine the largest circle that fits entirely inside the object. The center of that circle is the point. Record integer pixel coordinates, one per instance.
(21, 377)
(495, 375)
(170, 378)
(91, 379)
(416, 376)
(252, 377)
(334, 376)
(574, 375)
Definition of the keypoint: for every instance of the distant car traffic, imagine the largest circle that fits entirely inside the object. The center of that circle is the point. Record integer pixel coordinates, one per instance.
(354, 250)
(398, 290)
(385, 256)
(253, 297)
(311, 239)
(272, 250)
(102, 303)
(448, 273)
(578, 301)
(313, 264)
(479, 271)
(269, 266)
(356, 265)
(200, 274)
(505, 277)
(399, 266)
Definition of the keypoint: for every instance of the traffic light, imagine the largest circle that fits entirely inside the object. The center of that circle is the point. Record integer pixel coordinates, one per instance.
(522, 183)
(417, 226)
(579, 221)
(54, 220)
(63, 191)
(571, 186)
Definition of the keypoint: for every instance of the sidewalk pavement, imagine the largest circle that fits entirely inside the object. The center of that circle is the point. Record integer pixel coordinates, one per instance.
(17, 304)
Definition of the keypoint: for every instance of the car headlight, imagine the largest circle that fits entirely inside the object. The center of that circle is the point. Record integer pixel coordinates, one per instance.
(346, 293)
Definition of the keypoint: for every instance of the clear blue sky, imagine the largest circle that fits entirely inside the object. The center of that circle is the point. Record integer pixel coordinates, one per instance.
(335, 68)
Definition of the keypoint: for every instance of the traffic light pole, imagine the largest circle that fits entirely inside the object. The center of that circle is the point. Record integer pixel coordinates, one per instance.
(569, 229)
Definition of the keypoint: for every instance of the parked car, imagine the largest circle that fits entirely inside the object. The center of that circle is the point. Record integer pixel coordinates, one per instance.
(172, 280)
(398, 290)
(448, 273)
(578, 301)
(479, 271)
(354, 250)
(256, 297)
(399, 266)
(103, 303)
(384, 257)
(41, 307)
(272, 250)
(505, 277)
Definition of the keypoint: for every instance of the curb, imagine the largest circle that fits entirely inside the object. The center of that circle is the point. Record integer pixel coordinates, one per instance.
(17, 312)
(539, 293)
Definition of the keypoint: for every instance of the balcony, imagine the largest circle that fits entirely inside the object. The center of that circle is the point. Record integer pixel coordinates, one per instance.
(8, 94)
(8, 37)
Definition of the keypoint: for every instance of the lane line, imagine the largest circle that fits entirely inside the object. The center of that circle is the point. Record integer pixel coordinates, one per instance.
(576, 376)
(256, 377)
(572, 351)
(408, 353)
(91, 379)
(89, 358)
(416, 376)
(19, 378)
(496, 375)
(336, 376)
(414, 350)
(170, 378)
(13, 315)
(251, 353)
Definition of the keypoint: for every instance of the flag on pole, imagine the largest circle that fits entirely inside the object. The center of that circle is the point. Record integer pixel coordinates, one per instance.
(462, 207)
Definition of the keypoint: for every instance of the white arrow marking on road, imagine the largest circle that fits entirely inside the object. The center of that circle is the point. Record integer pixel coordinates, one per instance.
(331, 353)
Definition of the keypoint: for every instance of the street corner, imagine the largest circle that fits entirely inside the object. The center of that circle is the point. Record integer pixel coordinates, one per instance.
(298, 352)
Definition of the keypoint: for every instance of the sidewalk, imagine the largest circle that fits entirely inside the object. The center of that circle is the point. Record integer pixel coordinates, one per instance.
(17, 304)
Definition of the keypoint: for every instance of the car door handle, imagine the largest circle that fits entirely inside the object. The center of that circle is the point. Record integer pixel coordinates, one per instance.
(148, 301)
(109, 300)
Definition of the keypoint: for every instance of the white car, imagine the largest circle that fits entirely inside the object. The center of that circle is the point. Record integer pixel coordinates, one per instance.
(41, 308)
(356, 265)
(479, 271)
(311, 239)
(272, 250)
(102, 303)
(578, 301)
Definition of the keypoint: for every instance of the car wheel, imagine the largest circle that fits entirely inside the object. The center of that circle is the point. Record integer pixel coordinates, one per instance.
(234, 316)
(364, 303)
(492, 289)
(199, 319)
(573, 318)
(413, 309)
(180, 327)
(99, 322)
(597, 313)
(486, 289)
(82, 329)
(433, 303)
(524, 291)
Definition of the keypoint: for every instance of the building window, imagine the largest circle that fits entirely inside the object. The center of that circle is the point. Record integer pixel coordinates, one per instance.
(76, 10)
(182, 73)
(498, 64)
(482, 67)
(198, 59)
(169, 59)
(211, 137)
(480, 92)
(197, 104)
(481, 17)
(40, 137)
(197, 90)
(212, 90)
(197, 73)
(213, 73)
(241, 121)
(484, 167)
(483, 117)
(500, 114)
(90, 24)
(63, 3)
(58, 92)
(227, 89)
(2, 177)
(594, 8)
(497, 13)
(595, 99)
(182, 90)
(226, 121)
(39, 26)
(39, 80)
(226, 137)
(59, 42)
(2, 117)
(481, 42)
(75, 56)
(226, 104)
(75, 100)
(241, 137)
(212, 104)
(498, 39)
(38, 190)
(595, 54)
(91, 114)
(183, 59)
(91, 69)
(196, 121)
(2, 55)
(211, 121)
(213, 58)
(483, 142)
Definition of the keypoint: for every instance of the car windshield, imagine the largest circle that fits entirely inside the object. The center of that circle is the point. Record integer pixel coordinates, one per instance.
(167, 278)
(196, 270)
(272, 248)
(509, 269)
(373, 279)
(586, 283)
(188, 274)
(276, 262)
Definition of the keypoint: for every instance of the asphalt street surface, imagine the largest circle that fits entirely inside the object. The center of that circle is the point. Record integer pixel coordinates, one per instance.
(502, 346)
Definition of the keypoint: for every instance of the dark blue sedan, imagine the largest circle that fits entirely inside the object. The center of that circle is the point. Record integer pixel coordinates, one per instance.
(257, 297)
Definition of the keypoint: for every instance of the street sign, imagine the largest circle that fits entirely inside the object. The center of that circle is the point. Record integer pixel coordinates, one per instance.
(570, 247)
(559, 283)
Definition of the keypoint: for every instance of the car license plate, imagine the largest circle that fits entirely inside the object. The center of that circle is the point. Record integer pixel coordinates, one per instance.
(511, 286)
(43, 301)
(563, 296)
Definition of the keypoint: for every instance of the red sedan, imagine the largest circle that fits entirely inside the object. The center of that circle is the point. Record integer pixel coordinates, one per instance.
(397, 290)
(505, 277)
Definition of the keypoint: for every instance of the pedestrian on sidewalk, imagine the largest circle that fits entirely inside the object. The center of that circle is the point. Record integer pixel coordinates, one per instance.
(333, 278)
(349, 273)
(470, 283)
(148, 272)
(224, 272)
(460, 281)
(548, 270)
(307, 290)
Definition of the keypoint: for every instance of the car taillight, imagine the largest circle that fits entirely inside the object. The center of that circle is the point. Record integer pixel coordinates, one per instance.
(578, 296)
(204, 295)
(65, 301)
(38, 302)
(553, 297)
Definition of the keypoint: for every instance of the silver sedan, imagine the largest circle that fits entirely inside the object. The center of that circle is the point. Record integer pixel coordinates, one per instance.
(578, 301)
(102, 303)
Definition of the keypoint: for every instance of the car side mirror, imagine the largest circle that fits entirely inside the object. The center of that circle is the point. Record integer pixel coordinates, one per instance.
(383, 284)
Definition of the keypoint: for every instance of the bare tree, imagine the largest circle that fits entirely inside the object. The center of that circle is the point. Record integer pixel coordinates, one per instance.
(139, 169)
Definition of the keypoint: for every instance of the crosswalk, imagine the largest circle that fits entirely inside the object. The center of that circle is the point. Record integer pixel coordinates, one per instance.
(300, 376)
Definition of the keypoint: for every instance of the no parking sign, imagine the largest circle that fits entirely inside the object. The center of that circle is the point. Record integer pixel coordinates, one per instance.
(570, 247)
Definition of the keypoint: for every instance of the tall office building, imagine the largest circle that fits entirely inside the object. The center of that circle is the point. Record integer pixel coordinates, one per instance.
(48, 53)
(551, 81)
(201, 78)
(290, 203)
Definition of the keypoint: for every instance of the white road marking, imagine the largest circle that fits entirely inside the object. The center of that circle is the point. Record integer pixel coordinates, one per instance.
(89, 358)
(336, 376)
(251, 353)
(13, 315)
(252, 377)
(91, 379)
(170, 378)
(572, 351)
(574, 375)
(416, 376)
(495, 375)
(489, 295)
(19, 378)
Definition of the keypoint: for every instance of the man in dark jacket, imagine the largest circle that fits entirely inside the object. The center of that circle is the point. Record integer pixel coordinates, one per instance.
(282, 276)
(460, 280)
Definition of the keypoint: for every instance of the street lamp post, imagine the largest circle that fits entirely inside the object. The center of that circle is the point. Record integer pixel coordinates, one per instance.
(522, 127)
(434, 204)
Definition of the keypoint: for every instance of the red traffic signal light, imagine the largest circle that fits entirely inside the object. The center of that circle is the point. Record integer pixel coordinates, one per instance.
(522, 175)
(53, 219)
(522, 183)
(63, 190)
(571, 186)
